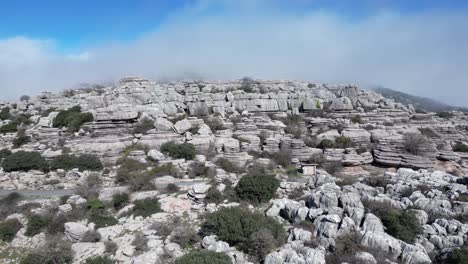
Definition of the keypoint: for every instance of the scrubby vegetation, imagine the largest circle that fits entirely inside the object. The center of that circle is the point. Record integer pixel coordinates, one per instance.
(228, 165)
(24, 161)
(55, 251)
(72, 118)
(8, 229)
(36, 224)
(82, 162)
(415, 143)
(21, 139)
(9, 128)
(179, 151)
(257, 188)
(460, 147)
(146, 207)
(99, 260)
(401, 224)
(143, 126)
(204, 257)
(251, 232)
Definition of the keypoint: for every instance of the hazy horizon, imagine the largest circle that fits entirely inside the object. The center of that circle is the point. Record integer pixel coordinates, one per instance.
(418, 48)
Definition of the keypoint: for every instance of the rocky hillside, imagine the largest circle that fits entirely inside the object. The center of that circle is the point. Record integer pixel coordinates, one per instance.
(223, 172)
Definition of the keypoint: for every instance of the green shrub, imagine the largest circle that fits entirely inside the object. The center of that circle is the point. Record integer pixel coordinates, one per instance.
(143, 126)
(343, 142)
(204, 257)
(94, 204)
(9, 128)
(54, 252)
(237, 225)
(72, 118)
(356, 119)
(101, 218)
(36, 224)
(4, 153)
(257, 188)
(172, 188)
(5, 113)
(134, 173)
(99, 260)
(326, 143)
(164, 170)
(214, 196)
(215, 124)
(179, 151)
(24, 161)
(401, 224)
(282, 158)
(8, 229)
(146, 207)
(82, 162)
(228, 166)
(198, 169)
(20, 140)
(119, 200)
(446, 115)
(460, 147)
(457, 256)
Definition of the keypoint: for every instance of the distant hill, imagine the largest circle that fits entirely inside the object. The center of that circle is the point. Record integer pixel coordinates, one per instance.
(422, 103)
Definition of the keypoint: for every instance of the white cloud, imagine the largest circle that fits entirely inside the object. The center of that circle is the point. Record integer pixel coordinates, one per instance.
(420, 53)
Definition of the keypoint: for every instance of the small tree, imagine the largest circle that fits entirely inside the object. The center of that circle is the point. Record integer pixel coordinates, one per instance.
(415, 143)
(257, 188)
(179, 151)
(25, 98)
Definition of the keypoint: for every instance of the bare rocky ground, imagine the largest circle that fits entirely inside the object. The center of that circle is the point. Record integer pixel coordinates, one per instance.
(173, 172)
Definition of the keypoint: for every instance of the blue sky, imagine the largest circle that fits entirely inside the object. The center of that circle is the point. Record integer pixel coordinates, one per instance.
(416, 46)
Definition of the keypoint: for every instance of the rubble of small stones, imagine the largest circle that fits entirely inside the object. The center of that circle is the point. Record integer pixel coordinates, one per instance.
(247, 126)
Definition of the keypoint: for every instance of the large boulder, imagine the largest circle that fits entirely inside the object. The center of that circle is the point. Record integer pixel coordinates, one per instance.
(75, 231)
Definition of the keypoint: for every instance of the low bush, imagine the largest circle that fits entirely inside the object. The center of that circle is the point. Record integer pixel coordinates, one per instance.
(82, 162)
(9, 128)
(179, 151)
(257, 188)
(164, 170)
(24, 161)
(134, 173)
(282, 158)
(8, 204)
(91, 236)
(140, 242)
(172, 188)
(345, 250)
(214, 196)
(457, 256)
(5, 113)
(72, 118)
(215, 124)
(143, 126)
(146, 207)
(401, 224)
(204, 257)
(99, 260)
(228, 166)
(184, 235)
(101, 218)
(8, 229)
(20, 140)
(326, 143)
(343, 142)
(120, 200)
(4, 153)
(94, 204)
(238, 227)
(446, 115)
(428, 132)
(55, 251)
(357, 119)
(36, 224)
(198, 169)
(90, 188)
(415, 143)
(460, 147)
